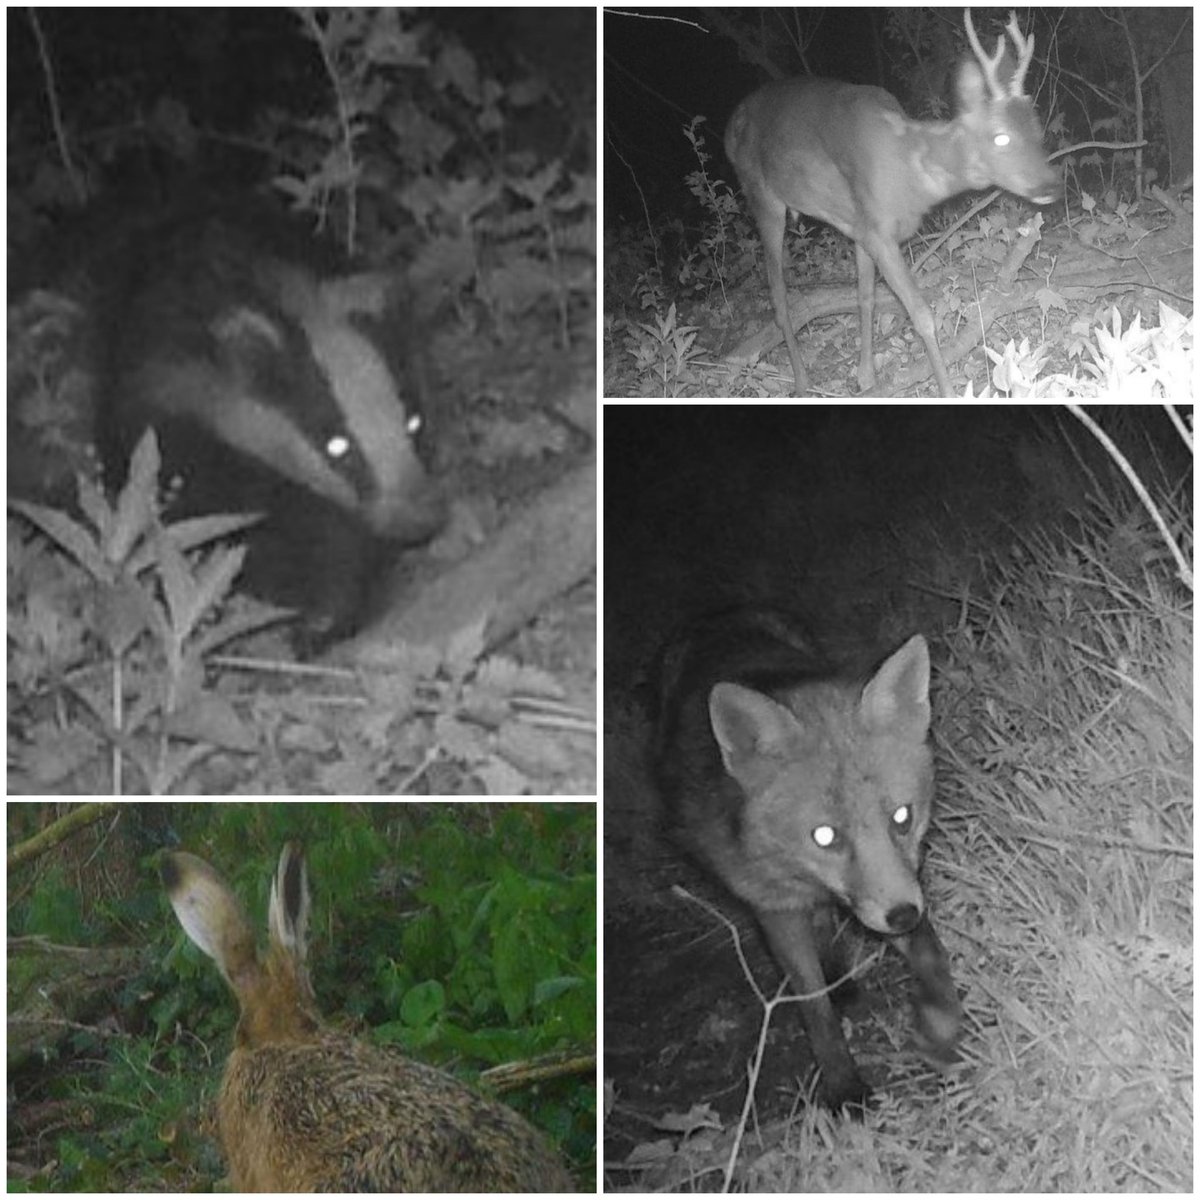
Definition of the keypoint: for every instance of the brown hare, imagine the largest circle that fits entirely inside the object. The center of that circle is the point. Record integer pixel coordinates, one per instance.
(304, 1108)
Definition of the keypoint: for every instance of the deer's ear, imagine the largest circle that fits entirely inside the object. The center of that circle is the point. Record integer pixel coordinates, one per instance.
(972, 88)
(850, 156)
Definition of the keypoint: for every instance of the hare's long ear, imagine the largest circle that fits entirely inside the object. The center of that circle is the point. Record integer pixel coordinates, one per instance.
(288, 920)
(211, 917)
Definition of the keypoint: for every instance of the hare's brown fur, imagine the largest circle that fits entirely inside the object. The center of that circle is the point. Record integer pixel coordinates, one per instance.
(305, 1108)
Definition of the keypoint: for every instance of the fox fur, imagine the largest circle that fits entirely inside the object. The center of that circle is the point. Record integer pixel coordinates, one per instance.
(806, 793)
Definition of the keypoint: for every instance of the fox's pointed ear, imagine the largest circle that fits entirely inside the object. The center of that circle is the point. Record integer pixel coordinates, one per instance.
(896, 698)
(747, 724)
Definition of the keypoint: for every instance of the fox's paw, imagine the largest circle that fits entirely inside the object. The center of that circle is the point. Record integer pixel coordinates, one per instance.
(847, 1093)
(938, 1028)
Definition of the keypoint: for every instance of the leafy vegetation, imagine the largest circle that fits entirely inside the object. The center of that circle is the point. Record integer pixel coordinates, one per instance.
(686, 308)
(116, 683)
(461, 933)
(463, 169)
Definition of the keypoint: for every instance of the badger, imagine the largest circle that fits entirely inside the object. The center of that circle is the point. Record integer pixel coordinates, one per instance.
(261, 364)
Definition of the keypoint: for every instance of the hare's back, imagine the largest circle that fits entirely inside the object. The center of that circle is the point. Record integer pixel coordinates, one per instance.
(338, 1115)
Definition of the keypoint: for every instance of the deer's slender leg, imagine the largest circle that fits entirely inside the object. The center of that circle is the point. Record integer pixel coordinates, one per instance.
(770, 214)
(866, 316)
(891, 266)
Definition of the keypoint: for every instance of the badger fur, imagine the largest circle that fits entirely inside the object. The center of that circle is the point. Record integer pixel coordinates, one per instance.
(259, 363)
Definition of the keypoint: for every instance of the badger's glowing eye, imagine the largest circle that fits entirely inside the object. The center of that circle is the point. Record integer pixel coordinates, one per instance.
(413, 425)
(338, 446)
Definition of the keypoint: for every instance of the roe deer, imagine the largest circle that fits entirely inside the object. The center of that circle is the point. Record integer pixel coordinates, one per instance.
(847, 155)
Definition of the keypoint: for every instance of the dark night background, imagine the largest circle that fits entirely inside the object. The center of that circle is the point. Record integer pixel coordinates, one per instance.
(808, 505)
(828, 507)
(677, 231)
(450, 151)
(118, 117)
(148, 97)
(871, 523)
(659, 73)
(662, 67)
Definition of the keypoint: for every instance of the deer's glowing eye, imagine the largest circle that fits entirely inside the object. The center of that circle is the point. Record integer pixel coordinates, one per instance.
(799, 146)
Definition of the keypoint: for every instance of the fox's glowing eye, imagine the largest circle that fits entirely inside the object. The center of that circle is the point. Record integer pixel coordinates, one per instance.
(824, 836)
(902, 818)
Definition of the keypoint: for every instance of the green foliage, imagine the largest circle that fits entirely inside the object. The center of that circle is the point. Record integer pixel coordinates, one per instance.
(462, 933)
(497, 950)
(128, 1097)
(52, 910)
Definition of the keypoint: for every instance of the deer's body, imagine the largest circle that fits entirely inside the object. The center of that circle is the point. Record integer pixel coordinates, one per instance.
(848, 155)
(824, 176)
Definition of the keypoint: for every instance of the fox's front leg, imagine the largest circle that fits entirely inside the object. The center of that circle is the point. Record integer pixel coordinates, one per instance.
(794, 940)
(937, 1011)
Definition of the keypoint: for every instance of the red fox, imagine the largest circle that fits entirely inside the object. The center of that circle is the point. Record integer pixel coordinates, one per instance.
(803, 792)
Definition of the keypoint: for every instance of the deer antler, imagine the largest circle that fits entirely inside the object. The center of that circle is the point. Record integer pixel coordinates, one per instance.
(1024, 47)
(1024, 54)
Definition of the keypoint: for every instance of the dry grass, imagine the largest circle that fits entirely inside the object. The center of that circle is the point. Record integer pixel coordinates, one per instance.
(1061, 880)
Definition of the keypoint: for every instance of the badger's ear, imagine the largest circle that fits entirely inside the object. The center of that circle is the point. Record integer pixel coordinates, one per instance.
(242, 333)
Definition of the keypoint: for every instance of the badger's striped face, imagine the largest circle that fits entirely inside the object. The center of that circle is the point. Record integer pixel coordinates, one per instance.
(379, 430)
(270, 395)
(307, 393)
